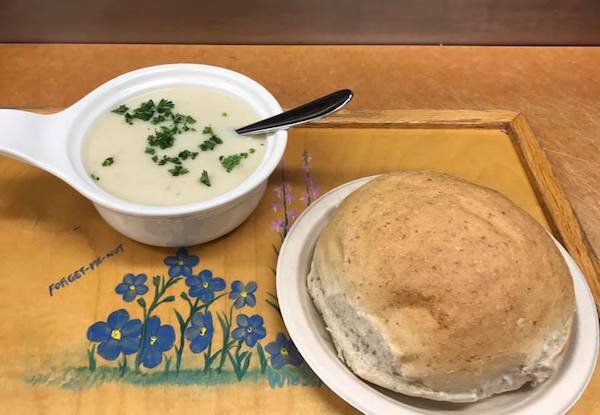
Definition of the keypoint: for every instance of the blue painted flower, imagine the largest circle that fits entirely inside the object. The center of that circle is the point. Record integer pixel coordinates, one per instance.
(283, 351)
(132, 286)
(181, 264)
(117, 335)
(250, 329)
(243, 294)
(157, 340)
(204, 286)
(200, 332)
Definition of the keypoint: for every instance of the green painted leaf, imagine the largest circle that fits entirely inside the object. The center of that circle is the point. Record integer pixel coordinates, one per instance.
(180, 319)
(223, 322)
(212, 358)
(275, 306)
(92, 358)
(261, 357)
(246, 364)
(236, 366)
(156, 280)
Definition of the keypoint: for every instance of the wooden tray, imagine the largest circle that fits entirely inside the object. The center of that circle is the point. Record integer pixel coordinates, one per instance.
(60, 265)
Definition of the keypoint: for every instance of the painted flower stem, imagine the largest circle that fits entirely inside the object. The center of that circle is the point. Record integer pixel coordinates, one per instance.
(123, 366)
(167, 364)
(209, 358)
(262, 358)
(183, 324)
(92, 358)
(286, 222)
(307, 178)
(226, 327)
(160, 288)
(239, 362)
(194, 307)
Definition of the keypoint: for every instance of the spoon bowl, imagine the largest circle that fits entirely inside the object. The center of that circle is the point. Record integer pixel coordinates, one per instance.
(303, 114)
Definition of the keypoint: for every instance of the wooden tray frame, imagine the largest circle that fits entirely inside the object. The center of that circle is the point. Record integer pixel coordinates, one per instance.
(557, 208)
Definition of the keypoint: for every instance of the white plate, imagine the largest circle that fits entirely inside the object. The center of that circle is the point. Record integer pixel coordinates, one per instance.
(308, 332)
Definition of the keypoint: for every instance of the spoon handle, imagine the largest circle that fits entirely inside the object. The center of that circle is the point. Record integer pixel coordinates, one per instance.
(311, 111)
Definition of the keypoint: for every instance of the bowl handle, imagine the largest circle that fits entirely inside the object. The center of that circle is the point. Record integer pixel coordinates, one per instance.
(36, 139)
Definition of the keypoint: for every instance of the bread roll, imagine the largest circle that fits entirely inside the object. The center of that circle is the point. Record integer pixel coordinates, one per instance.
(435, 287)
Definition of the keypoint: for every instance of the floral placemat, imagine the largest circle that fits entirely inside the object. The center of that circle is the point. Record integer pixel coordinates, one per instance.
(91, 315)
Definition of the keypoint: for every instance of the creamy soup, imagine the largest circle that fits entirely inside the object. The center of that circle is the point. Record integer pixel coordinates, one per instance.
(173, 146)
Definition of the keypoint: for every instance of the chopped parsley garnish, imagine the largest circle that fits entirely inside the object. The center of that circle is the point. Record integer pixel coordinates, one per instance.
(230, 162)
(177, 118)
(212, 141)
(163, 138)
(93, 176)
(122, 109)
(108, 161)
(171, 124)
(178, 170)
(149, 111)
(145, 111)
(204, 178)
(158, 119)
(224, 114)
(165, 106)
(165, 159)
(185, 154)
(252, 150)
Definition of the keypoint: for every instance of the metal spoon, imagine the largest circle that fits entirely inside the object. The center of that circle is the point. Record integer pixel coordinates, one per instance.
(311, 111)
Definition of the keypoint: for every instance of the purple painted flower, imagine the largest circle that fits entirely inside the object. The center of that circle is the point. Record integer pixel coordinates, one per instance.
(314, 191)
(291, 214)
(289, 197)
(305, 198)
(278, 191)
(275, 205)
(277, 225)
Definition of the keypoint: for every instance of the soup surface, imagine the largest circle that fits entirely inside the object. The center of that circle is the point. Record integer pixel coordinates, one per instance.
(173, 146)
